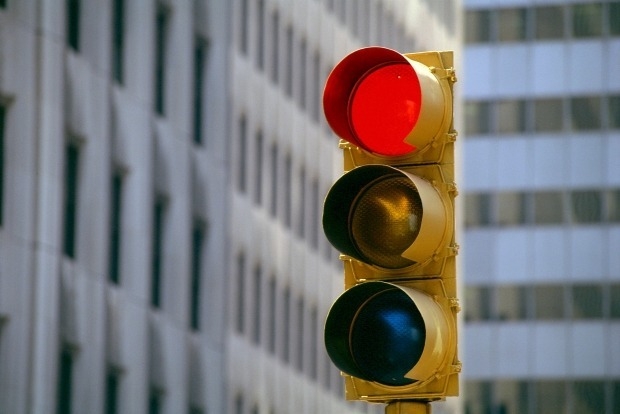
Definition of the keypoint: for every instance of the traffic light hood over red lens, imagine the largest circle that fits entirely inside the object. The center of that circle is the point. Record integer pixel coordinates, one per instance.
(374, 99)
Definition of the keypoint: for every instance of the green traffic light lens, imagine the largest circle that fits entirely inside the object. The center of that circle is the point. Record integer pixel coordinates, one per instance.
(385, 221)
(388, 337)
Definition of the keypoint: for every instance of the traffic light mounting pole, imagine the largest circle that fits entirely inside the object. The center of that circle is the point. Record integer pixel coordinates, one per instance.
(408, 407)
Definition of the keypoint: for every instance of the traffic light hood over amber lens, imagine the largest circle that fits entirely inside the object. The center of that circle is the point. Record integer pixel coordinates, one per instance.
(384, 217)
(373, 99)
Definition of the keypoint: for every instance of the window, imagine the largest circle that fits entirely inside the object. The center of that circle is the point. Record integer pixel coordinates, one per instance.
(315, 222)
(510, 208)
(614, 110)
(613, 205)
(275, 52)
(2, 167)
(511, 25)
(64, 385)
(157, 254)
(550, 397)
(511, 116)
(241, 293)
(288, 86)
(589, 397)
(271, 320)
(73, 24)
(116, 197)
(548, 115)
(299, 328)
(549, 22)
(511, 302)
(587, 206)
(614, 18)
(587, 20)
(112, 391)
(258, 168)
(200, 62)
(288, 186)
(155, 400)
(477, 26)
(71, 198)
(587, 301)
(286, 325)
(260, 52)
(477, 303)
(478, 209)
(258, 291)
(301, 205)
(315, 83)
(161, 28)
(586, 113)
(198, 241)
(548, 207)
(549, 302)
(303, 52)
(118, 28)
(477, 118)
(511, 397)
(614, 301)
(244, 27)
(241, 169)
(274, 180)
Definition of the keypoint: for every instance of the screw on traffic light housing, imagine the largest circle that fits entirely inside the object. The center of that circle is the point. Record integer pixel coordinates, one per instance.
(393, 332)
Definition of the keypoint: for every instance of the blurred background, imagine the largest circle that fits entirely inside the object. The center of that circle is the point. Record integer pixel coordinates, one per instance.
(163, 165)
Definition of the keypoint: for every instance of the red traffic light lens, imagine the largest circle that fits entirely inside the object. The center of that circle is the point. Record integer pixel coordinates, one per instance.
(384, 107)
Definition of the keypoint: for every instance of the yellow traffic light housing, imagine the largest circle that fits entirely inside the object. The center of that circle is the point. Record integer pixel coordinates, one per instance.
(393, 332)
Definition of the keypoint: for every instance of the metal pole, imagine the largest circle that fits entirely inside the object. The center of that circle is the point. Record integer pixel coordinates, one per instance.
(408, 407)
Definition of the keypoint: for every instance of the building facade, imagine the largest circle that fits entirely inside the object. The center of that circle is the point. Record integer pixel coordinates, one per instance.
(162, 170)
(542, 202)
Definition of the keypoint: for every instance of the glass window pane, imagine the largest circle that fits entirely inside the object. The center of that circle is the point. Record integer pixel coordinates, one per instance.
(511, 25)
(586, 113)
(589, 397)
(549, 22)
(587, 20)
(613, 205)
(548, 115)
(511, 397)
(614, 301)
(477, 26)
(614, 18)
(549, 302)
(587, 301)
(550, 397)
(587, 206)
(614, 111)
(511, 116)
(477, 210)
(548, 208)
(477, 303)
(510, 208)
(477, 118)
(511, 303)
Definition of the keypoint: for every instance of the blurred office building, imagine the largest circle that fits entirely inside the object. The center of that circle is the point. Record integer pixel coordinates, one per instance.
(162, 170)
(542, 203)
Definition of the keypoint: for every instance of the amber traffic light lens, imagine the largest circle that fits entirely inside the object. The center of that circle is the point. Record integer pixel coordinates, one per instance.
(385, 221)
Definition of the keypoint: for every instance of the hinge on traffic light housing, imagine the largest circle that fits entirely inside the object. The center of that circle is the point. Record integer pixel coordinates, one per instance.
(455, 304)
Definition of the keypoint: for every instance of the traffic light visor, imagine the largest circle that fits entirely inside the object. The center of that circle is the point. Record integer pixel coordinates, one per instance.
(375, 97)
(385, 217)
(385, 333)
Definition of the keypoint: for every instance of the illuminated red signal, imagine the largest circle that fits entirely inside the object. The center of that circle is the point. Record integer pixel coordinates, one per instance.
(384, 102)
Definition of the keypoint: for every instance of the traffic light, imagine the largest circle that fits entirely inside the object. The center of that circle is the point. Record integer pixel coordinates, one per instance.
(393, 332)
